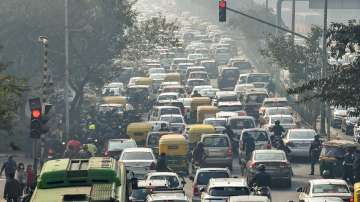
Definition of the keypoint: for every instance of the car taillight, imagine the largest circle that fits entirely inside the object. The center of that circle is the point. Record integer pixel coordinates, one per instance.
(195, 191)
(229, 152)
(268, 146)
(152, 166)
(50, 152)
(253, 165)
(352, 199)
(106, 153)
(284, 164)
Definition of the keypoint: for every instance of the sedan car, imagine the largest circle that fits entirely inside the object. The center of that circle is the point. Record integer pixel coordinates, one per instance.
(168, 96)
(275, 162)
(325, 188)
(299, 141)
(115, 147)
(173, 179)
(139, 160)
(221, 188)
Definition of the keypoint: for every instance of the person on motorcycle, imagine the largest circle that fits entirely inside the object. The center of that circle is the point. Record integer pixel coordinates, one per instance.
(162, 163)
(348, 174)
(198, 153)
(163, 127)
(196, 94)
(277, 129)
(314, 152)
(261, 178)
(248, 144)
(84, 153)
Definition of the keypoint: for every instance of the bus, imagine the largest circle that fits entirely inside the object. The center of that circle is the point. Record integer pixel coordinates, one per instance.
(91, 180)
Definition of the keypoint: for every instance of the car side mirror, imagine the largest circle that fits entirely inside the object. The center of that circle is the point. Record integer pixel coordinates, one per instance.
(300, 189)
(191, 178)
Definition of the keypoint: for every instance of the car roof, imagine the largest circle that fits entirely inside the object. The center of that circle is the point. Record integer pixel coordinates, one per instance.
(276, 99)
(212, 170)
(269, 151)
(249, 198)
(163, 174)
(214, 118)
(229, 103)
(163, 107)
(280, 115)
(224, 93)
(138, 149)
(327, 181)
(171, 115)
(241, 117)
(213, 135)
(254, 129)
(165, 196)
(301, 129)
(227, 182)
(169, 93)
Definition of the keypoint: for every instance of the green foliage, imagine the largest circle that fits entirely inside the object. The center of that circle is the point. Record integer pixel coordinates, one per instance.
(340, 87)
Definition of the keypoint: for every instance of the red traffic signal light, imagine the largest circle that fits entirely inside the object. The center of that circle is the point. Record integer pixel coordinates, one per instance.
(36, 113)
(222, 11)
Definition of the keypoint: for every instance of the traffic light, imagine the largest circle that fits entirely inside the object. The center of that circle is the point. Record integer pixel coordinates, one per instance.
(35, 124)
(222, 11)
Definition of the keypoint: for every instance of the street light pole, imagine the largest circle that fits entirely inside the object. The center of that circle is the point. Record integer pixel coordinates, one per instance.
(323, 73)
(66, 90)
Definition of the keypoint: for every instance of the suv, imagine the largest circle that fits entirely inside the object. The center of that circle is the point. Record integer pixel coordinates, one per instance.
(218, 150)
(222, 188)
(202, 178)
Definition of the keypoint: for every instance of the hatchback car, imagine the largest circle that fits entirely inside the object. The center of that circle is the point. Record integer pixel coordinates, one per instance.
(299, 141)
(222, 188)
(218, 150)
(139, 160)
(202, 177)
(115, 147)
(325, 188)
(275, 162)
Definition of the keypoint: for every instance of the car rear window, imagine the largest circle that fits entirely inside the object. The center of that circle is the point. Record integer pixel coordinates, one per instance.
(257, 135)
(204, 177)
(276, 104)
(269, 156)
(170, 111)
(241, 123)
(173, 180)
(283, 120)
(330, 188)
(229, 191)
(153, 139)
(137, 156)
(215, 142)
(140, 194)
(120, 145)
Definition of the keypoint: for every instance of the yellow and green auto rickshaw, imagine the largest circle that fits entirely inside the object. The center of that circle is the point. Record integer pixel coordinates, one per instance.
(143, 81)
(357, 192)
(332, 156)
(206, 111)
(195, 103)
(152, 140)
(138, 131)
(195, 131)
(176, 148)
(172, 77)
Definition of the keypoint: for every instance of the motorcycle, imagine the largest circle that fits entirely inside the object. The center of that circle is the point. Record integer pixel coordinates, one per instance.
(262, 191)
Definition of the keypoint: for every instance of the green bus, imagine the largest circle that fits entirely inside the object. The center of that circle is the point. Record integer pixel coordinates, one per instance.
(86, 180)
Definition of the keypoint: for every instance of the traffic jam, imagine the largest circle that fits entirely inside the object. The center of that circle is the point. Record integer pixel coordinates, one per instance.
(198, 122)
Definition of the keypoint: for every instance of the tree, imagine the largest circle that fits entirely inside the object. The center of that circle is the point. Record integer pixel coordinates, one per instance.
(10, 91)
(146, 36)
(340, 87)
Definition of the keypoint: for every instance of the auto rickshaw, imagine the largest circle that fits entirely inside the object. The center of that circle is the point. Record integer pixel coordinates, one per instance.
(176, 148)
(143, 81)
(195, 131)
(152, 140)
(332, 156)
(172, 77)
(114, 100)
(357, 192)
(195, 102)
(206, 111)
(138, 131)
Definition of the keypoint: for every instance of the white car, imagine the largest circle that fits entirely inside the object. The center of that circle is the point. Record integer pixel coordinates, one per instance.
(325, 188)
(218, 123)
(173, 118)
(251, 198)
(173, 179)
(168, 96)
(221, 188)
(139, 160)
(201, 87)
(299, 141)
(156, 71)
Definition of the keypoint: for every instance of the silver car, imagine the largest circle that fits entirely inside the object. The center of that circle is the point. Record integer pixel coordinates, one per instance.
(299, 141)
(218, 150)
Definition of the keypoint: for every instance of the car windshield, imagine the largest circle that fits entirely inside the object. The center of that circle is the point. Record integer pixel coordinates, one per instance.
(330, 188)
(242, 65)
(282, 111)
(230, 73)
(257, 135)
(120, 145)
(255, 98)
(258, 78)
(196, 82)
(269, 156)
(302, 134)
(283, 120)
(137, 156)
(167, 97)
(232, 108)
(215, 142)
(153, 139)
(333, 152)
(198, 76)
(227, 98)
(171, 119)
(229, 191)
(276, 104)
(241, 123)
(157, 76)
(215, 122)
(204, 177)
(173, 180)
(170, 111)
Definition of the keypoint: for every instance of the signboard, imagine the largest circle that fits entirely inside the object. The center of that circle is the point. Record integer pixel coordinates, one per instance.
(335, 4)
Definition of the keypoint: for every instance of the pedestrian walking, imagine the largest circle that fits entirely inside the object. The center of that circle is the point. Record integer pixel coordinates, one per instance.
(9, 166)
(12, 190)
(314, 152)
(20, 176)
(29, 178)
(348, 174)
